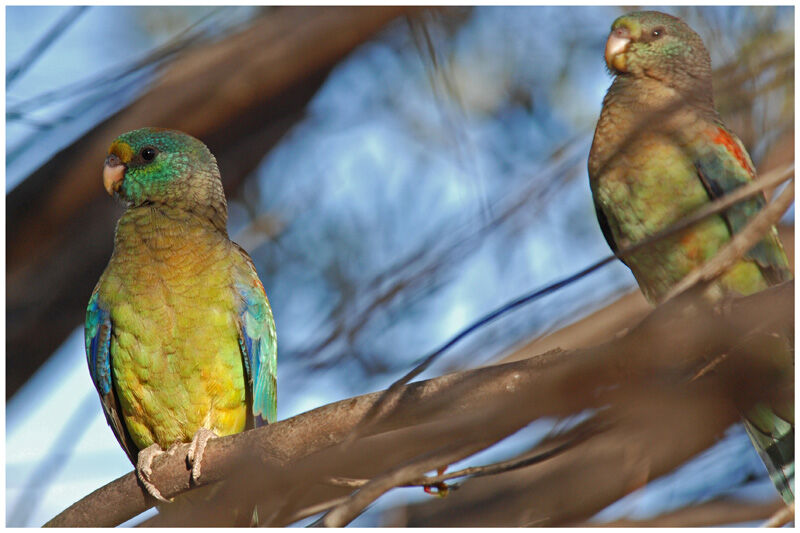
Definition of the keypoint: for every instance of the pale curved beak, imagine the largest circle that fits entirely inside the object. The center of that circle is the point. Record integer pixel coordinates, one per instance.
(113, 174)
(616, 46)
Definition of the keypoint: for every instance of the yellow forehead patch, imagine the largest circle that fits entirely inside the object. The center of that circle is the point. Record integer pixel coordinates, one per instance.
(633, 25)
(122, 150)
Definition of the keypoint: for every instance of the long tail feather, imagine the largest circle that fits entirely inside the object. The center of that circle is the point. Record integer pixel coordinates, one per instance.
(773, 438)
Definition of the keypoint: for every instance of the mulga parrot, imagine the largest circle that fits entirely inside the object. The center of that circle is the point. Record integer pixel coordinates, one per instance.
(180, 338)
(661, 151)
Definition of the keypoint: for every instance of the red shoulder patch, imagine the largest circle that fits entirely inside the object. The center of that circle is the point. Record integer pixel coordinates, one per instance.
(723, 138)
(257, 284)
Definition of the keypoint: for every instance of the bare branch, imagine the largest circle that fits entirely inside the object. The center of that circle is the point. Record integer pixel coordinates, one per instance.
(459, 412)
(319, 508)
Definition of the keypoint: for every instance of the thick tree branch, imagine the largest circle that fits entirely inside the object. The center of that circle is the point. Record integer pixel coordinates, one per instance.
(295, 456)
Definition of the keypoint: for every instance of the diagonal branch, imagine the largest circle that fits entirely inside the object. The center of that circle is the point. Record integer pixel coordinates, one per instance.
(739, 245)
(781, 518)
(484, 406)
(43, 44)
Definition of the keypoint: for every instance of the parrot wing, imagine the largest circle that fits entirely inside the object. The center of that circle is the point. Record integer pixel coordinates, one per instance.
(606, 229)
(258, 342)
(725, 167)
(98, 355)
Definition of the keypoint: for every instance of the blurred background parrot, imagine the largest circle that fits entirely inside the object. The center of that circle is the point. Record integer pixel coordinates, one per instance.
(661, 151)
(180, 338)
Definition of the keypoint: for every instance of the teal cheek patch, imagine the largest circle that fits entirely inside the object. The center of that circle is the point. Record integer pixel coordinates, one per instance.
(153, 180)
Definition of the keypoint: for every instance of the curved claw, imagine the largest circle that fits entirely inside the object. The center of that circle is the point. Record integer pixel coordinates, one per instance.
(196, 450)
(144, 470)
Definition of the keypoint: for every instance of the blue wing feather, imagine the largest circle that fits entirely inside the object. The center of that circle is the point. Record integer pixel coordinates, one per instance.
(97, 332)
(98, 342)
(259, 343)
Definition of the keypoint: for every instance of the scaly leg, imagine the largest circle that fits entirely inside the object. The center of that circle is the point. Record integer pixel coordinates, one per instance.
(196, 450)
(144, 470)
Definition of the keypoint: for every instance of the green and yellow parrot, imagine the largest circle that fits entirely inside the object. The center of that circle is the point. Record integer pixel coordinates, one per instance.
(180, 338)
(660, 152)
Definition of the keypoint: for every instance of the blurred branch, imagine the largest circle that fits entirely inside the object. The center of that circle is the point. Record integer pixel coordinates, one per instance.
(457, 414)
(348, 510)
(709, 514)
(35, 52)
(733, 75)
(598, 327)
(105, 82)
(741, 244)
(781, 517)
(433, 256)
(563, 490)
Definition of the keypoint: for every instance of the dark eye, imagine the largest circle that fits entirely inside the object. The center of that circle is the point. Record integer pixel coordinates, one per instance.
(148, 153)
(658, 32)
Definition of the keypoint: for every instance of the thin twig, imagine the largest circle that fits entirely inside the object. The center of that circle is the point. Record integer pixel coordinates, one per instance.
(509, 465)
(194, 34)
(709, 367)
(717, 206)
(500, 467)
(311, 510)
(346, 512)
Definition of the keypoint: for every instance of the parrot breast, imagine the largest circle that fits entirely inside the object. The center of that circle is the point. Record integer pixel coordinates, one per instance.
(175, 349)
(650, 183)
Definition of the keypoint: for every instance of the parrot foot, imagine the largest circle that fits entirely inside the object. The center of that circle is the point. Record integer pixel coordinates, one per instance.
(196, 450)
(144, 470)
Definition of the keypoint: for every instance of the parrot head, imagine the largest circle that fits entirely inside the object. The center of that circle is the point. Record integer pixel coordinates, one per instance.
(165, 167)
(649, 44)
